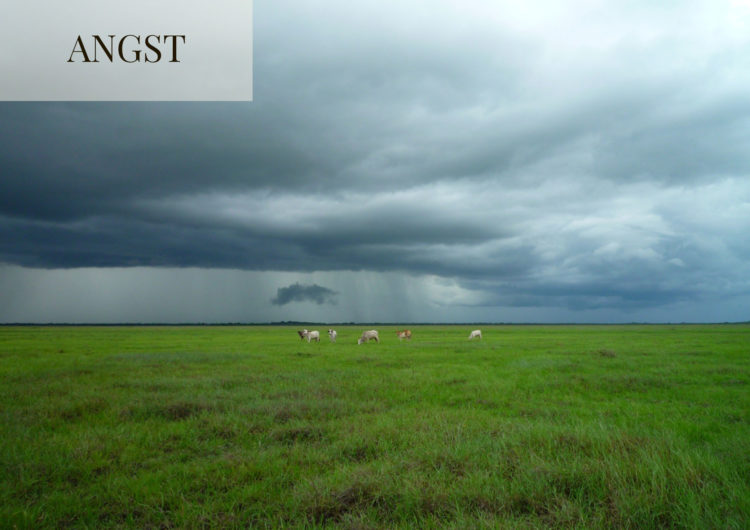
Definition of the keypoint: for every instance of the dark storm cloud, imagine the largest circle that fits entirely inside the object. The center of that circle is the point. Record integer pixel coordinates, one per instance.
(301, 293)
(536, 159)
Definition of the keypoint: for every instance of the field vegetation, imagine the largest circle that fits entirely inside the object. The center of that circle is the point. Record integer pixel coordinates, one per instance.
(236, 427)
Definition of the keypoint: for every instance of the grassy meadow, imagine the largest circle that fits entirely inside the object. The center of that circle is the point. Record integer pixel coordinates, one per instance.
(223, 427)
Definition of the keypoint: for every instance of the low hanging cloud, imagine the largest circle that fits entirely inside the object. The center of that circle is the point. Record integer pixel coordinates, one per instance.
(304, 293)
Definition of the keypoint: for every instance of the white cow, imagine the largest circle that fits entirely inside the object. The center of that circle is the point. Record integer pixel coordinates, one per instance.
(332, 333)
(368, 335)
(477, 333)
(311, 335)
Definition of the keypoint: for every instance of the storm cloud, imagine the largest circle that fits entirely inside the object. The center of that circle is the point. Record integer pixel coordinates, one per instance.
(301, 293)
(566, 162)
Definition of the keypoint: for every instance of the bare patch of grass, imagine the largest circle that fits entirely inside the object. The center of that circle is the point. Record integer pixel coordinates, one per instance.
(175, 411)
(290, 436)
(487, 404)
(82, 409)
(733, 382)
(362, 452)
(348, 502)
(287, 412)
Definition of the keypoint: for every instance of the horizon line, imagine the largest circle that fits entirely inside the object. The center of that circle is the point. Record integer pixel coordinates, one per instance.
(396, 324)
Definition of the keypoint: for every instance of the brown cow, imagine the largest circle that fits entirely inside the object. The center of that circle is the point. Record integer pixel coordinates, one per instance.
(404, 334)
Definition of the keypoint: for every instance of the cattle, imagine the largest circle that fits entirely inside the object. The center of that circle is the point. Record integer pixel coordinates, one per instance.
(369, 335)
(312, 335)
(332, 334)
(477, 333)
(405, 334)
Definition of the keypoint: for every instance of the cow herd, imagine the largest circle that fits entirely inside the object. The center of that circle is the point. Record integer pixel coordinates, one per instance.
(369, 335)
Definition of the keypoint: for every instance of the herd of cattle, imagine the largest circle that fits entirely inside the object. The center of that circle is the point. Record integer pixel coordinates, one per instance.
(369, 335)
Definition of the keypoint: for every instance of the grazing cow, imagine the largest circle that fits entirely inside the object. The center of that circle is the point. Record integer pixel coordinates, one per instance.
(368, 335)
(332, 333)
(312, 335)
(405, 334)
(477, 333)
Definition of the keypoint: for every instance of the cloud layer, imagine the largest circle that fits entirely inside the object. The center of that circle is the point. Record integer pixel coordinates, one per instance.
(592, 158)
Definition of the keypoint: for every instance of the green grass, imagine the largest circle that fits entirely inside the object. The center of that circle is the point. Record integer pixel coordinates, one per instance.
(533, 427)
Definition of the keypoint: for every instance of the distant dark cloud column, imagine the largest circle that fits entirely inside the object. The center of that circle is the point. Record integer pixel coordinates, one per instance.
(301, 293)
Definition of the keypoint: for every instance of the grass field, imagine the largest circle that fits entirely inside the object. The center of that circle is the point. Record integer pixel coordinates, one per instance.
(534, 426)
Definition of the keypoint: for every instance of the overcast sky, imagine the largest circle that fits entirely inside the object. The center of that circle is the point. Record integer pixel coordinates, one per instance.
(577, 161)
